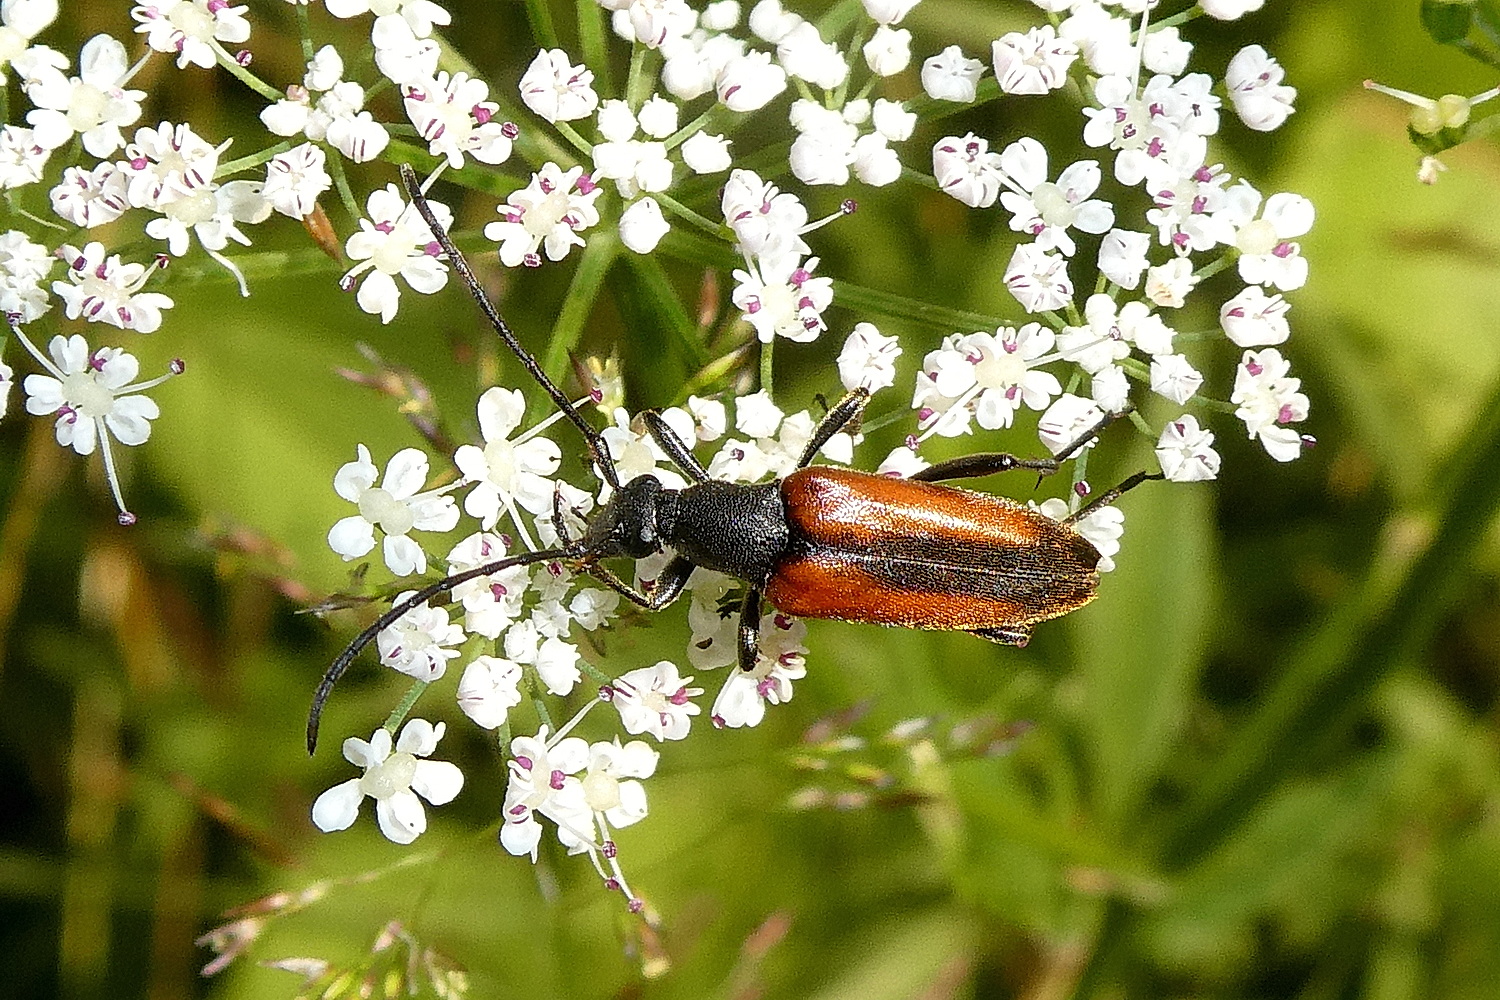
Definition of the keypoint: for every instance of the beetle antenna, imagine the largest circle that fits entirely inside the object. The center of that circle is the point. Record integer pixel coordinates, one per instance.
(341, 663)
(602, 460)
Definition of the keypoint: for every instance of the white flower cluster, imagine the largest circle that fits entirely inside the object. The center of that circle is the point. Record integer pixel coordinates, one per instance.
(667, 151)
(1159, 135)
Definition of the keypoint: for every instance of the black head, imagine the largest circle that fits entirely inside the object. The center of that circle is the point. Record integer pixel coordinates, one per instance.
(631, 524)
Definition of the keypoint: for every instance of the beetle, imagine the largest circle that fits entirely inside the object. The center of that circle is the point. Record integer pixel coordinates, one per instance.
(822, 542)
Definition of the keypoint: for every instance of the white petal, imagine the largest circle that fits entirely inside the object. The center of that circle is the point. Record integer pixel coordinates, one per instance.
(407, 473)
(337, 808)
(403, 556)
(402, 818)
(437, 781)
(352, 537)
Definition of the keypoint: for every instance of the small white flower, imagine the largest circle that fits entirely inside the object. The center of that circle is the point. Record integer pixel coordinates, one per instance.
(1168, 285)
(1110, 388)
(888, 51)
(397, 506)
(656, 700)
(295, 179)
(1122, 256)
(556, 89)
(395, 241)
(489, 688)
(766, 222)
(393, 780)
(611, 790)
(493, 602)
(781, 659)
(967, 170)
(987, 375)
(20, 22)
(453, 115)
(1066, 420)
(780, 297)
(22, 158)
(952, 76)
(1038, 279)
(888, 11)
(548, 213)
(642, 225)
(706, 154)
(90, 198)
(1269, 254)
(1045, 210)
(1102, 38)
(91, 393)
(24, 265)
(94, 104)
(1101, 340)
(868, 358)
(420, 15)
(892, 120)
(542, 781)
(658, 117)
(901, 463)
(190, 28)
(1186, 452)
(1267, 399)
(1229, 10)
(1166, 50)
(805, 56)
(1254, 319)
(506, 472)
(749, 82)
(416, 643)
(1173, 377)
(1034, 62)
(401, 55)
(1259, 97)
(104, 290)
(555, 661)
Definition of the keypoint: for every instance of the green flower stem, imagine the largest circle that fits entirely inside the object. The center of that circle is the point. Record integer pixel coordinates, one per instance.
(544, 718)
(244, 75)
(692, 218)
(304, 31)
(767, 366)
(593, 40)
(253, 160)
(1214, 266)
(699, 124)
(341, 182)
(593, 266)
(399, 713)
(571, 134)
(892, 306)
(543, 30)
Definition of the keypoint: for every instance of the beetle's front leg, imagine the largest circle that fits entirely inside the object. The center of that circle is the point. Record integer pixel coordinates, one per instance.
(749, 631)
(668, 587)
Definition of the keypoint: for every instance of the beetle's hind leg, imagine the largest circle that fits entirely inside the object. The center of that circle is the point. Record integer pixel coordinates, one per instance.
(1005, 636)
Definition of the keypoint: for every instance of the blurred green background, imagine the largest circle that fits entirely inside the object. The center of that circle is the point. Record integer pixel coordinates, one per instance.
(1262, 764)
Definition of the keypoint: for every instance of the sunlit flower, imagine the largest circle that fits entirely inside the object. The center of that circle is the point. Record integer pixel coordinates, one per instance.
(190, 28)
(393, 780)
(395, 241)
(397, 506)
(549, 213)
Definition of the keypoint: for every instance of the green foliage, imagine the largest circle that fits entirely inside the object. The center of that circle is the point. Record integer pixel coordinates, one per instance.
(1262, 764)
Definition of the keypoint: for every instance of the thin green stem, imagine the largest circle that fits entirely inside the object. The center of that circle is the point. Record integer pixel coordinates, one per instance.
(304, 30)
(253, 160)
(399, 713)
(243, 74)
(571, 134)
(767, 366)
(691, 217)
(539, 16)
(341, 181)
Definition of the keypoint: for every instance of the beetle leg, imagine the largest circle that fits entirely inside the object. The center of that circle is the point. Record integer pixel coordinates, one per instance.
(668, 586)
(749, 632)
(1018, 635)
(673, 445)
(844, 412)
(1110, 496)
(984, 463)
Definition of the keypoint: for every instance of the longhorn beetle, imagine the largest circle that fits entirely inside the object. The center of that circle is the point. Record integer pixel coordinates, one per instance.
(821, 543)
